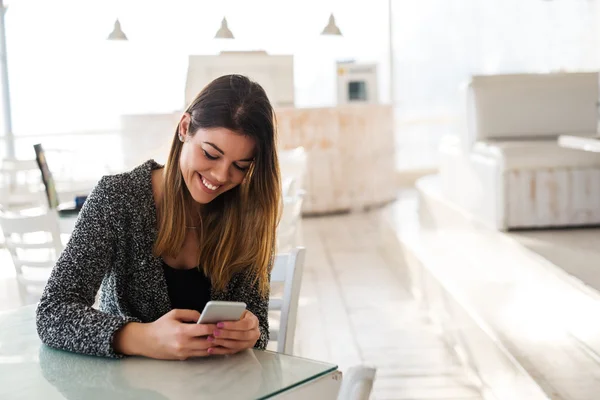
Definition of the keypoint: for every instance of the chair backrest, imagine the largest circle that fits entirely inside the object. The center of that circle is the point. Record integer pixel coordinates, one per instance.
(287, 185)
(289, 229)
(33, 242)
(47, 178)
(357, 383)
(292, 164)
(287, 269)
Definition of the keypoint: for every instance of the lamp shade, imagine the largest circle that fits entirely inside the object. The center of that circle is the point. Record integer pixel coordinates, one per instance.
(117, 33)
(331, 28)
(224, 32)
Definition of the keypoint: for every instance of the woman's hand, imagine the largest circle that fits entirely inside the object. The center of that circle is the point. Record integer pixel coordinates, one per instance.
(171, 337)
(235, 336)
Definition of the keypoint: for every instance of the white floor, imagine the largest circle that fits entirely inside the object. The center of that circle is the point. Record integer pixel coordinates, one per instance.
(355, 309)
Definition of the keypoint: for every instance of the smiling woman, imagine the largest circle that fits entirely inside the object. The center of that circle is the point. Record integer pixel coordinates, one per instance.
(224, 152)
(212, 167)
(165, 240)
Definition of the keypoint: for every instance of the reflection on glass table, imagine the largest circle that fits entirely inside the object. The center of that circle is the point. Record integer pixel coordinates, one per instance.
(31, 370)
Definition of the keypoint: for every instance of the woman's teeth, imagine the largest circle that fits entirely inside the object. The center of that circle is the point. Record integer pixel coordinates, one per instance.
(208, 185)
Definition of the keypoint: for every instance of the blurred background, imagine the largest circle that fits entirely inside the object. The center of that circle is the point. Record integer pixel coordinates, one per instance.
(62, 66)
(439, 158)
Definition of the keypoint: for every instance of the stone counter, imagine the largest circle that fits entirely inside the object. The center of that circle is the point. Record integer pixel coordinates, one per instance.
(350, 155)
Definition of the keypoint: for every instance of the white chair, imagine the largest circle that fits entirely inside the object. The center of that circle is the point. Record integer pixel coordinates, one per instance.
(293, 171)
(289, 231)
(287, 270)
(287, 186)
(34, 244)
(357, 383)
(292, 164)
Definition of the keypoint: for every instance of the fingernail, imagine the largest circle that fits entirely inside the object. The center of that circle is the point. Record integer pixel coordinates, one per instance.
(210, 350)
(220, 325)
(216, 333)
(211, 339)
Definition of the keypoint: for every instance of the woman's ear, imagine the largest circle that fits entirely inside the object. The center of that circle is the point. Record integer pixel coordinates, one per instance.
(184, 125)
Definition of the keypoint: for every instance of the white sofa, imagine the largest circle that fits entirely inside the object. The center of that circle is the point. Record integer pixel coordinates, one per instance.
(507, 170)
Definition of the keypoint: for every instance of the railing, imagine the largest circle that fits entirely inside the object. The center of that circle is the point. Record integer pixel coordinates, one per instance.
(85, 155)
(416, 137)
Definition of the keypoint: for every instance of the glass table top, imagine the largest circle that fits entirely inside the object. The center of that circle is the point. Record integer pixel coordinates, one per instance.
(31, 370)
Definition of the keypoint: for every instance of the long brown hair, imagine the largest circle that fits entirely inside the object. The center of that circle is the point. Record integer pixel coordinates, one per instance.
(237, 231)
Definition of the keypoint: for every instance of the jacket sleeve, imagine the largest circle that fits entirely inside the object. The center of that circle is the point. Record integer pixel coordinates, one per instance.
(65, 318)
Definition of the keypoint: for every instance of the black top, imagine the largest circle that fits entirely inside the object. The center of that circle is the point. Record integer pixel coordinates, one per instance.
(189, 289)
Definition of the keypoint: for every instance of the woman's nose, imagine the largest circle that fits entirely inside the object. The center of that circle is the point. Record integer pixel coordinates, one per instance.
(220, 174)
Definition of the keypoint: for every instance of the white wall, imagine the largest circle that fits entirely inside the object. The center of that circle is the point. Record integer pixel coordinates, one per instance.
(65, 77)
(60, 62)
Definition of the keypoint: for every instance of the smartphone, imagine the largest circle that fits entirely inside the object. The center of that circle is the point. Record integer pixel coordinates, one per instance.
(220, 311)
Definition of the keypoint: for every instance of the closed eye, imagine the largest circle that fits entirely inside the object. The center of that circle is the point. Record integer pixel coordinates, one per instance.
(207, 155)
(241, 168)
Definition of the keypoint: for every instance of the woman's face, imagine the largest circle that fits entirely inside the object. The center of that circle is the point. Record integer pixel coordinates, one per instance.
(213, 160)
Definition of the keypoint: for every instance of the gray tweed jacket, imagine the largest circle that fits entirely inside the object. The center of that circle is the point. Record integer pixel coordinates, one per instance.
(111, 249)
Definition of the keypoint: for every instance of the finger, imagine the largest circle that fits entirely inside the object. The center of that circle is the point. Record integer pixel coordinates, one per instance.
(199, 329)
(185, 315)
(248, 321)
(196, 344)
(236, 335)
(221, 351)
